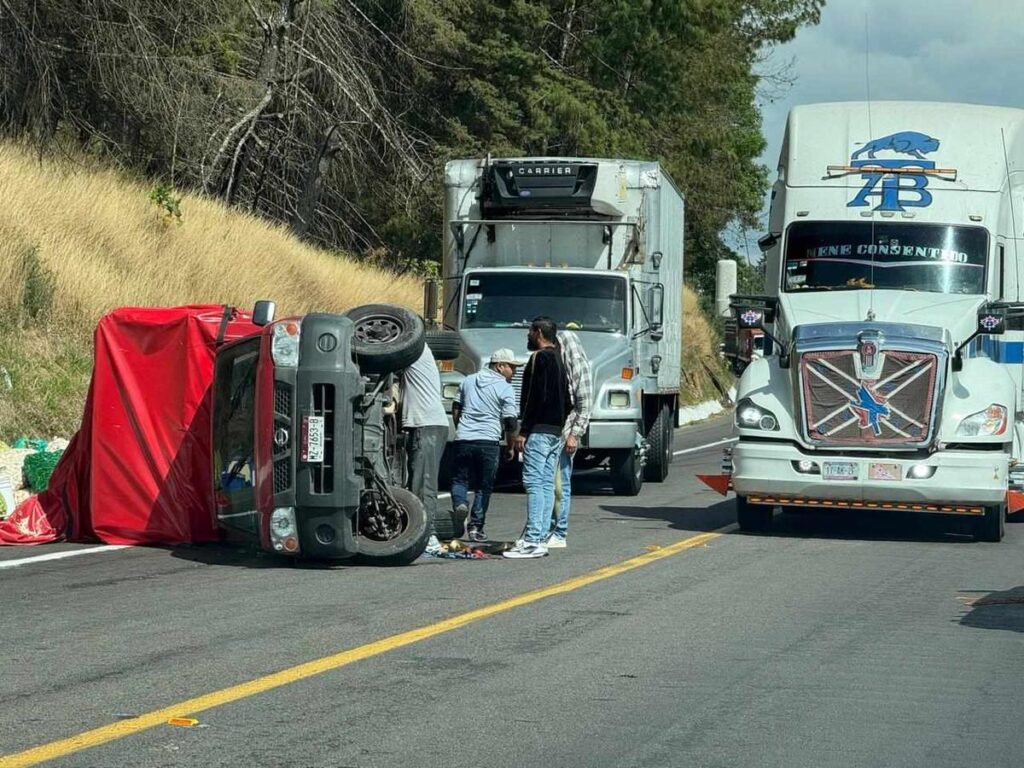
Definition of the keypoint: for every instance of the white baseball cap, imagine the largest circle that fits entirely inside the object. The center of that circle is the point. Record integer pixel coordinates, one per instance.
(504, 355)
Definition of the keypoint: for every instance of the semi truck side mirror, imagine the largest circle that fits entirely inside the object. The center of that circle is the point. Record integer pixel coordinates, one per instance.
(750, 318)
(657, 308)
(991, 321)
(430, 292)
(263, 312)
(767, 242)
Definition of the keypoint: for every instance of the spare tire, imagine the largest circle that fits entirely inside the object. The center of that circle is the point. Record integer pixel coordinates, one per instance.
(448, 524)
(387, 338)
(446, 345)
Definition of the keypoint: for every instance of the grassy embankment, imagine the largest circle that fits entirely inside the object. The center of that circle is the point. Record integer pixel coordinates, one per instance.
(78, 241)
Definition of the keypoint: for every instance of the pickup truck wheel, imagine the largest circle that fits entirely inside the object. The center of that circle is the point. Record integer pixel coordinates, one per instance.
(991, 525)
(659, 437)
(446, 345)
(387, 338)
(627, 473)
(397, 542)
(753, 517)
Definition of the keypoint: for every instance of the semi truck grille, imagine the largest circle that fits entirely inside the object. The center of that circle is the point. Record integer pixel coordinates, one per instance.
(282, 475)
(322, 475)
(517, 383)
(845, 407)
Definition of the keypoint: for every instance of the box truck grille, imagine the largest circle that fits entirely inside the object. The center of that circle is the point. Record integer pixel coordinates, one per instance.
(282, 475)
(322, 479)
(842, 406)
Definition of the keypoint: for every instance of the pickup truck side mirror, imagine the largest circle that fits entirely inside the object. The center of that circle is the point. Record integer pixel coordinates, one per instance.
(263, 312)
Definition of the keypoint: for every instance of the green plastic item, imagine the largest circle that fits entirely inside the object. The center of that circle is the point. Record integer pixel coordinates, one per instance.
(36, 444)
(39, 467)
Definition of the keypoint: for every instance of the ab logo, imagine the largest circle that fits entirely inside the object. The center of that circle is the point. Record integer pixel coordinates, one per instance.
(895, 191)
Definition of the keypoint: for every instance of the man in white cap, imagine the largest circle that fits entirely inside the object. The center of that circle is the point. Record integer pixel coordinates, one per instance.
(484, 408)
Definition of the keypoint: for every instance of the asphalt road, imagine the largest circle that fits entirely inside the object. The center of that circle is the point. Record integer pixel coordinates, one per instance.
(833, 641)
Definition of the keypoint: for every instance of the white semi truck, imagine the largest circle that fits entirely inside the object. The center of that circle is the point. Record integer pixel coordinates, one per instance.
(892, 308)
(597, 245)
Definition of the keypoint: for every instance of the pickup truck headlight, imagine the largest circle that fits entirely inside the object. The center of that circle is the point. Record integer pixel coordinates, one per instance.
(750, 416)
(284, 343)
(988, 423)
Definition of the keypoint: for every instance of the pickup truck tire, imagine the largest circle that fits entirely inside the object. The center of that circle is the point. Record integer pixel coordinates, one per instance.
(753, 517)
(659, 438)
(627, 472)
(407, 545)
(445, 345)
(991, 525)
(449, 525)
(387, 338)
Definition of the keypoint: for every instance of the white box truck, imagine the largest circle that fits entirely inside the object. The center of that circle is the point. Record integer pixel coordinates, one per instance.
(893, 311)
(597, 245)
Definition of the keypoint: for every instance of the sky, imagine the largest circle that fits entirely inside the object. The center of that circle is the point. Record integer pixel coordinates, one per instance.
(922, 50)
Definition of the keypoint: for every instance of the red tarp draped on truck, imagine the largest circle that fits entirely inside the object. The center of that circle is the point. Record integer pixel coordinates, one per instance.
(138, 470)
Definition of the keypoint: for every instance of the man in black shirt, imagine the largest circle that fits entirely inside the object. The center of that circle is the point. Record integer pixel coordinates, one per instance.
(542, 414)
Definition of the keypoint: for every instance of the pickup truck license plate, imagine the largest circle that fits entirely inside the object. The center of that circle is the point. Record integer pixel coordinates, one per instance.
(839, 470)
(312, 450)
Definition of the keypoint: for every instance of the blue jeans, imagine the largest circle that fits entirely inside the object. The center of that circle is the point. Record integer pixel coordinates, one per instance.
(563, 495)
(540, 462)
(475, 465)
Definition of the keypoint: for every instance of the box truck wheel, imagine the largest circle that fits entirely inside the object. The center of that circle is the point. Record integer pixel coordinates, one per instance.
(627, 472)
(387, 338)
(753, 517)
(446, 345)
(990, 526)
(659, 437)
(392, 535)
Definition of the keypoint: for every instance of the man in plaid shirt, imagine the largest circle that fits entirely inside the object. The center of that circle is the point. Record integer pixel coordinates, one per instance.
(581, 388)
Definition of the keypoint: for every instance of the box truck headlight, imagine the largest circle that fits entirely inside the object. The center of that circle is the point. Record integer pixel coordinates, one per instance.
(449, 391)
(284, 535)
(988, 423)
(284, 344)
(750, 416)
(618, 399)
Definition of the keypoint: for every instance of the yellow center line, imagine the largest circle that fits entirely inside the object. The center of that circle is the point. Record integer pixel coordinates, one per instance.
(123, 728)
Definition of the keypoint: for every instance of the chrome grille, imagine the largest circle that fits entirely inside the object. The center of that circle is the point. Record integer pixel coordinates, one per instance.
(517, 383)
(844, 407)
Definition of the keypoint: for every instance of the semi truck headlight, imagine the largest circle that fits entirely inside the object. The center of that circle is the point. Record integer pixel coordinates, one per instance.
(989, 423)
(284, 344)
(449, 391)
(750, 416)
(618, 399)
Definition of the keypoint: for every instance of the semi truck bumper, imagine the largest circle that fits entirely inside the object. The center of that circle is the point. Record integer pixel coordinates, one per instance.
(771, 471)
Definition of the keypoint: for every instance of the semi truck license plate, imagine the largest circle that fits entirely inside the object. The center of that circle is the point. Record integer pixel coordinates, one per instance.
(312, 449)
(839, 470)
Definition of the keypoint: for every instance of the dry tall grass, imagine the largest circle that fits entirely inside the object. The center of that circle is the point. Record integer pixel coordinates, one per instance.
(704, 373)
(77, 241)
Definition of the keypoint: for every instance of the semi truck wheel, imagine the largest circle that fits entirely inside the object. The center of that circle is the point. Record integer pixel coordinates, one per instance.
(387, 338)
(991, 525)
(445, 345)
(393, 536)
(659, 437)
(753, 517)
(627, 473)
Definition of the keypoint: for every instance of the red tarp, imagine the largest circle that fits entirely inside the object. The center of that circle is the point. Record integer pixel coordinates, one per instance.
(139, 469)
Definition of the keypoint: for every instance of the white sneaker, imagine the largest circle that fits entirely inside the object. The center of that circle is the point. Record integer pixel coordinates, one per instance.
(433, 546)
(526, 550)
(555, 541)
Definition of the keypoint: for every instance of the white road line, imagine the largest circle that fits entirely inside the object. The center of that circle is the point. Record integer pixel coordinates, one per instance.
(702, 447)
(60, 555)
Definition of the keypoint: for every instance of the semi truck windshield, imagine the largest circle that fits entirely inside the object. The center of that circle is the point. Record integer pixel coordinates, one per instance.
(822, 256)
(512, 299)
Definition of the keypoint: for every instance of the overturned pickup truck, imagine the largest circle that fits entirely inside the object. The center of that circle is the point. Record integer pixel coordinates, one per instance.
(306, 452)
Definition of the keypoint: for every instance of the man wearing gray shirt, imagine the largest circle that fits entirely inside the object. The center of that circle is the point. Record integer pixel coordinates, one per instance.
(426, 423)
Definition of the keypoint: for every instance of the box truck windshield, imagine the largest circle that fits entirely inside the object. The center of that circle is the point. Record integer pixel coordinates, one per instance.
(905, 257)
(512, 299)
